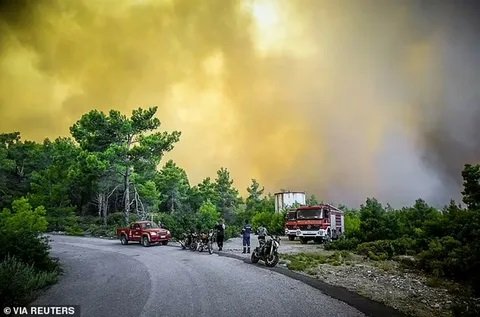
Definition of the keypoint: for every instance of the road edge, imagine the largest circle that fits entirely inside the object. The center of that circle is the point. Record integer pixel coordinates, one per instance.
(364, 304)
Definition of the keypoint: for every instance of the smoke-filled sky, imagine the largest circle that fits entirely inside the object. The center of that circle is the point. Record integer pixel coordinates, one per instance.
(342, 99)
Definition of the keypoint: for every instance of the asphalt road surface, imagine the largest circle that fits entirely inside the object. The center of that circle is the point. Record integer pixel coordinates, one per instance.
(108, 279)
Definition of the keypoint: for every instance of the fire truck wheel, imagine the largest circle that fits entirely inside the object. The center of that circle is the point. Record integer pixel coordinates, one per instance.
(291, 238)
(303, 240)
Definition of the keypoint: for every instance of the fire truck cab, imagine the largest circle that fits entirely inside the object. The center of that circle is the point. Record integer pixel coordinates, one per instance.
(291, 224)
(319, 223)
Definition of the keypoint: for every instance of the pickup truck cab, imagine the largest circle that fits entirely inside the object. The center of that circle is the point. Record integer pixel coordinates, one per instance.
(145, 232)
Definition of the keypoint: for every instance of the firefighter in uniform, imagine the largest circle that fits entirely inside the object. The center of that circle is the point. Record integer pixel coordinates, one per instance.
(247, 229)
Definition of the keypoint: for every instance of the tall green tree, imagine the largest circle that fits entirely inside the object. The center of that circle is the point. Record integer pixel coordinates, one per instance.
(471, 185)
(173, 185)
(312, 200)
(254, 198)
(206, 190)
(17, 162)
(53, 187)
(373, 219)
(150, 196)
(128, 142)
(227, 194)
(268, 203)
(207, 216)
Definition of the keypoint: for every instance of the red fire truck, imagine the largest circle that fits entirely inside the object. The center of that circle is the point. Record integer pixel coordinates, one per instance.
(291, 224)
(319, 223)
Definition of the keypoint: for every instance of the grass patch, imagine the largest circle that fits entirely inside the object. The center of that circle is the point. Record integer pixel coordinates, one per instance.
(387, 266)
(306, 262)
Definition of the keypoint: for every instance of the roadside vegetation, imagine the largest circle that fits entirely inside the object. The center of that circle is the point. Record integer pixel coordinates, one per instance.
(442, 244)
(306, 262)
(25, 265)
(110, 172)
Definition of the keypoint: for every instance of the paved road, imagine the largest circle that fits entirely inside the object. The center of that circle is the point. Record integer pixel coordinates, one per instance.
(108, 279)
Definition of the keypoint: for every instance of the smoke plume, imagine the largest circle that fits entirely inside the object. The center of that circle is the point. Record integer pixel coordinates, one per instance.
(342, 99)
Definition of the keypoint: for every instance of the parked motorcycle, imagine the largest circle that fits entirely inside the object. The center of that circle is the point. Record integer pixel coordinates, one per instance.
(186, 241)
(268, 252)
(206, 242)
(195, 242)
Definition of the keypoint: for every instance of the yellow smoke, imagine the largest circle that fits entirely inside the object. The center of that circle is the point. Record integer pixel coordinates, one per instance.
(298, 94)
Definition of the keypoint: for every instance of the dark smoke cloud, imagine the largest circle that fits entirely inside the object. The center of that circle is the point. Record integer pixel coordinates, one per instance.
(343, 99)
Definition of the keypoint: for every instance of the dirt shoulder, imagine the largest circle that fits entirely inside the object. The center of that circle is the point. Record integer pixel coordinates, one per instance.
(386, 282)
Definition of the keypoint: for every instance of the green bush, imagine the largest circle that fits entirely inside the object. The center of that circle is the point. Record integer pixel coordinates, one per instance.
(207, 216)
(377, 250)
(232, 231)
(86, 221)
(386, 249)
(21, 229)
(28, 248)
(277, 224)
(75, 230)
(405, 246)
(308, 261)
(443, 257)
(95, 230)
(342, 244)
(61, 218)
(118, 219)
(176, 223)
(21, 280)
(274, 222)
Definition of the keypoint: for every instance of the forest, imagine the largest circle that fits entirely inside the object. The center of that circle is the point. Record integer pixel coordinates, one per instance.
(110, 172)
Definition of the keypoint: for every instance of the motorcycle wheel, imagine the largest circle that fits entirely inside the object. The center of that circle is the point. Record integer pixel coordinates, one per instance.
(210, 248)
(254, 258)
(271, 260)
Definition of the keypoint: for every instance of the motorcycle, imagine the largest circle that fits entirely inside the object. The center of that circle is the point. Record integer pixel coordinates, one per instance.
(186, 241)
(268, 252)
(195, 242)
(206, 242)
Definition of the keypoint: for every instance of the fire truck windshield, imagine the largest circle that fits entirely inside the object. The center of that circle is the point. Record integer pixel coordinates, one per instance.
(309, 214)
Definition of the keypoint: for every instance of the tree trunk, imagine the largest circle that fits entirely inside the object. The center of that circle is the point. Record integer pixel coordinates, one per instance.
(127, 197)
(105, 211)
(100, 204)
(127, 182)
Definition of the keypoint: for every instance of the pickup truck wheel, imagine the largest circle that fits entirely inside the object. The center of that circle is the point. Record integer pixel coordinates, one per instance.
(145, 242)
(303, 240)
(291, 238)
(166, 242)
(123, 240)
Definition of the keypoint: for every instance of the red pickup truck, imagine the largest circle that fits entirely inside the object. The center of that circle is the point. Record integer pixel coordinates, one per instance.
(145, 232)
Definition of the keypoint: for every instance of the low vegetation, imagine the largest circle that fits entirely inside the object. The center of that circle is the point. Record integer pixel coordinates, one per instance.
(25, 265)
(305, 262)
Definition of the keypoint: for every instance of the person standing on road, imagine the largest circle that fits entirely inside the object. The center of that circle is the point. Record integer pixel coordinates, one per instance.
(220, 234)
(247, 229)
